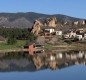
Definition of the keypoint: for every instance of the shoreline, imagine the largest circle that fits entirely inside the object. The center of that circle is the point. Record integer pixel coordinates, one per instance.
(53, 47)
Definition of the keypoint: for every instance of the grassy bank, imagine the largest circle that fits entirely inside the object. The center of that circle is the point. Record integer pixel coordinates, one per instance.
(19, 44)
(75, 46)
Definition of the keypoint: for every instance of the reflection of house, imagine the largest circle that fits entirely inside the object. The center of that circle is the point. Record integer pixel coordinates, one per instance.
(73, 57)
(34, 48)
(80, 54)
(59, 56)
(67, 56)
(52, 58)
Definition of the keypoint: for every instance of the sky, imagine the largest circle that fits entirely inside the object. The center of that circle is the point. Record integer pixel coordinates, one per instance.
(74, 8)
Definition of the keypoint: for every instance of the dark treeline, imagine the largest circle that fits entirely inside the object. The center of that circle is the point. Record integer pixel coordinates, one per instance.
(13, 34)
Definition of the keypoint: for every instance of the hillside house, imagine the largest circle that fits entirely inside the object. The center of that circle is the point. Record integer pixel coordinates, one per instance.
(58, 33)
(66, 36)
(49, 29)
(80, 22)
(80, 31)
(85, 36)
(76, 22)
(79, 36)
(70, 34)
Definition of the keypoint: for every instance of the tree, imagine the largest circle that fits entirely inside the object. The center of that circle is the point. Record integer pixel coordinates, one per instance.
(11, 40)
(31, 38)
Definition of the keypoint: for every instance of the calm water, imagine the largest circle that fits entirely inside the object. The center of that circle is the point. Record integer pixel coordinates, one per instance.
(70, 65)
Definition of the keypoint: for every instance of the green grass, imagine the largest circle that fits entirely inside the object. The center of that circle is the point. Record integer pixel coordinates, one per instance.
(48, 47)
(18, 45)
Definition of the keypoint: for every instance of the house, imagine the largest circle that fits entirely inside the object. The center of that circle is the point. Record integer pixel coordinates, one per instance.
(85, 36)
(76, 22)
(50, 29)
(58, 32)
(34, 48)
(66, 36)
(81, 33)
(80, 30)
(80, 22)
(79, 36)
(70, 34)
(83, 22)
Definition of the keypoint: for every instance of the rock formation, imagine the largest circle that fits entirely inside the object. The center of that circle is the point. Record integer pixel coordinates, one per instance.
(52, 22)
(36, 27)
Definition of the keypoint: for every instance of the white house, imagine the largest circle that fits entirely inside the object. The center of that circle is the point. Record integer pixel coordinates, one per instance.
(83, 22)
(85, 36)
(66, 36)
(58, 32)
(51, 30)
(76, 23)
(79, 36)
(72, 34)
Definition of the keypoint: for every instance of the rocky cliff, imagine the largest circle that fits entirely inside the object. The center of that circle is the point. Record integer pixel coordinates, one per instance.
(49, 22)
(52, 22)
(36, 27)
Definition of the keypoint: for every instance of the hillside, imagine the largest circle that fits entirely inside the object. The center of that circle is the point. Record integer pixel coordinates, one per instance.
(25, 20)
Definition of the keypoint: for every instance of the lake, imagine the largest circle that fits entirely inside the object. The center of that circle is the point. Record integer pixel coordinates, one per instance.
(67, 65)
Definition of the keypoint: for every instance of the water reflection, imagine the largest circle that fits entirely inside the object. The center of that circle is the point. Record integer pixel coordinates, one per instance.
(20, 61)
